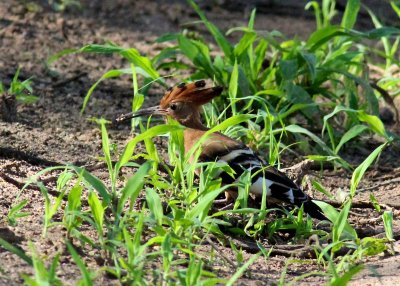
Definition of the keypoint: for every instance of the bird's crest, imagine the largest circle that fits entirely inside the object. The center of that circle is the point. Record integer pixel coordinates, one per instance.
(194, 92)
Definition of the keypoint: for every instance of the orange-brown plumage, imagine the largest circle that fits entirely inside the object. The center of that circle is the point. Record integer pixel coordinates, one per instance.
(183, 103)
(194, 93)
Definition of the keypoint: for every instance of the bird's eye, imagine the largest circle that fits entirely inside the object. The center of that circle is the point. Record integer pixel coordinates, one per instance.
(173, 106)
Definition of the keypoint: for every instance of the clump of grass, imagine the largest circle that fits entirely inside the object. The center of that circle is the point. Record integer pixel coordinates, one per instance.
(17, 92)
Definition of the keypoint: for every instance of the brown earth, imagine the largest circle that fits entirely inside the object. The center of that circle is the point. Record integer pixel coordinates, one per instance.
(52, 131)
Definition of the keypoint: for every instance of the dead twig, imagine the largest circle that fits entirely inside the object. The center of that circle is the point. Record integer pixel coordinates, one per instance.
(388, 99)
(363, 205)
(387, 182)
(299, 250)
(68, 80)
(220, 253)
(20, 185)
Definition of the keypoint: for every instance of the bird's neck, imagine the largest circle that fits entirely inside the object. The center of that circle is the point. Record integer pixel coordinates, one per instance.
(194, 122)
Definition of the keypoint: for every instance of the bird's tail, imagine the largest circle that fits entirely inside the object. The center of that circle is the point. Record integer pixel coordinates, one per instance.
(314, 210)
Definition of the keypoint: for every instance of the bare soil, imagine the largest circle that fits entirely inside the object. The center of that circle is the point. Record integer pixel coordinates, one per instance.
(53, 132)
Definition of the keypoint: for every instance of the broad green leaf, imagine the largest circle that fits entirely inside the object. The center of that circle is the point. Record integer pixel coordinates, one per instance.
(311, 62)
(373, 245)
(246, 41)
(341, 222)
(373, 121)
(360, 170)
(188, 48)
(131, 54)
(350, 134)
(94, 182)
(388, 224)
(155, 206)
(135, 58)
(332, 214)
(233, 87)
(133, 186)
(97, 211)
(321, 36)
(203, 204)
(289, 69)
(149, 133)
(350, 14)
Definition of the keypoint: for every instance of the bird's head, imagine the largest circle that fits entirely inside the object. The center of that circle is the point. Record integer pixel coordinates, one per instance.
(182, 103)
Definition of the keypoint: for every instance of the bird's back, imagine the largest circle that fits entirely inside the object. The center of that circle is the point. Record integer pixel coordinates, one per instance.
(220, 148)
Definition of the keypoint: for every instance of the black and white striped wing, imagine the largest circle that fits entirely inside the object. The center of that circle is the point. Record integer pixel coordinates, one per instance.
(276, 184)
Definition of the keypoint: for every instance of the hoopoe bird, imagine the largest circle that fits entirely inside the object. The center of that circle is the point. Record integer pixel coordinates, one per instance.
(183, 103)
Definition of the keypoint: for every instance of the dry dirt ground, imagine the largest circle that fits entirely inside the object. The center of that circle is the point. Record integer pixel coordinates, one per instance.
(52, 131)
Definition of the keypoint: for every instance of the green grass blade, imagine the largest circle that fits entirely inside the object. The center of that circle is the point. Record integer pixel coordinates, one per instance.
(252, 19)
(15, 213)
(350, 134)
(232, 121)
(150, 133)
(60, 54)
(395, 8)
(233, 87)
(105, 143)
(155, 206)
(346, 277)
(388, 224)
(245, 42)
(297, 129)
(109, 74)
(16, 250)
(242, 269)
(203, 205)
(222, 42)
(94, 182)
(360, 170)
(135, 58)
(350, 14)
(332, 214)
(133, 186)
(374, 122)
(97, 211)
(86, 279)
(341, 222)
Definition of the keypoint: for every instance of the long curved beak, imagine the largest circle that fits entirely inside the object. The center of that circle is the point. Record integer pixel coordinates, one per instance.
(155, 110)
